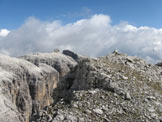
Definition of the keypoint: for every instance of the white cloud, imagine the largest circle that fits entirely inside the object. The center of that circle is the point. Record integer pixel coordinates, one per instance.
(94, 36)
(4, 32)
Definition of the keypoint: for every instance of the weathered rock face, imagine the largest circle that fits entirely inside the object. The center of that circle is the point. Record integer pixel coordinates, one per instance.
(25, 87)
(8, 111)
(113, 88)
(55, 87)
(62, 63)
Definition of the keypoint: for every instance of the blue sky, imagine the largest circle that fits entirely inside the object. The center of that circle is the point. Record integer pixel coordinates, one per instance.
(88, 27)
(13, 13)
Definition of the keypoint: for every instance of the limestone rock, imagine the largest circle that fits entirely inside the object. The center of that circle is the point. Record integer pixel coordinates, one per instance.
(71, 54)
(28, 87)
(75, 56)
(98, 111)
(54, 87)
(62, 63)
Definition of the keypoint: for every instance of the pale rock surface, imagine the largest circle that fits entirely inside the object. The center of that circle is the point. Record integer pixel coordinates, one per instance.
(25, 87)
(62, 63)
(56, 87)
(109, 89)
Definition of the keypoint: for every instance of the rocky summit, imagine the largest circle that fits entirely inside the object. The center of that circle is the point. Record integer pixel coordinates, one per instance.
(68, 87)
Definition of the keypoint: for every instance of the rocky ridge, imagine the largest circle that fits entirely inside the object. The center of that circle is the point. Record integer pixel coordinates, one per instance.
(67, 87)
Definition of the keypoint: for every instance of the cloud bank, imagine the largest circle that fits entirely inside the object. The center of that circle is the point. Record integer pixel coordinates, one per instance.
(94, 36)
(4, 32)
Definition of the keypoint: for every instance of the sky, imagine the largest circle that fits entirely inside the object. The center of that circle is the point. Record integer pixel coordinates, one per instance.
(90, 27)
(13, 13)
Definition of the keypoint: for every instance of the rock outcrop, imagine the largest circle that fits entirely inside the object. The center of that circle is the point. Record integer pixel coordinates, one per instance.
(113, 88)
(67, 87)
(26, 87)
